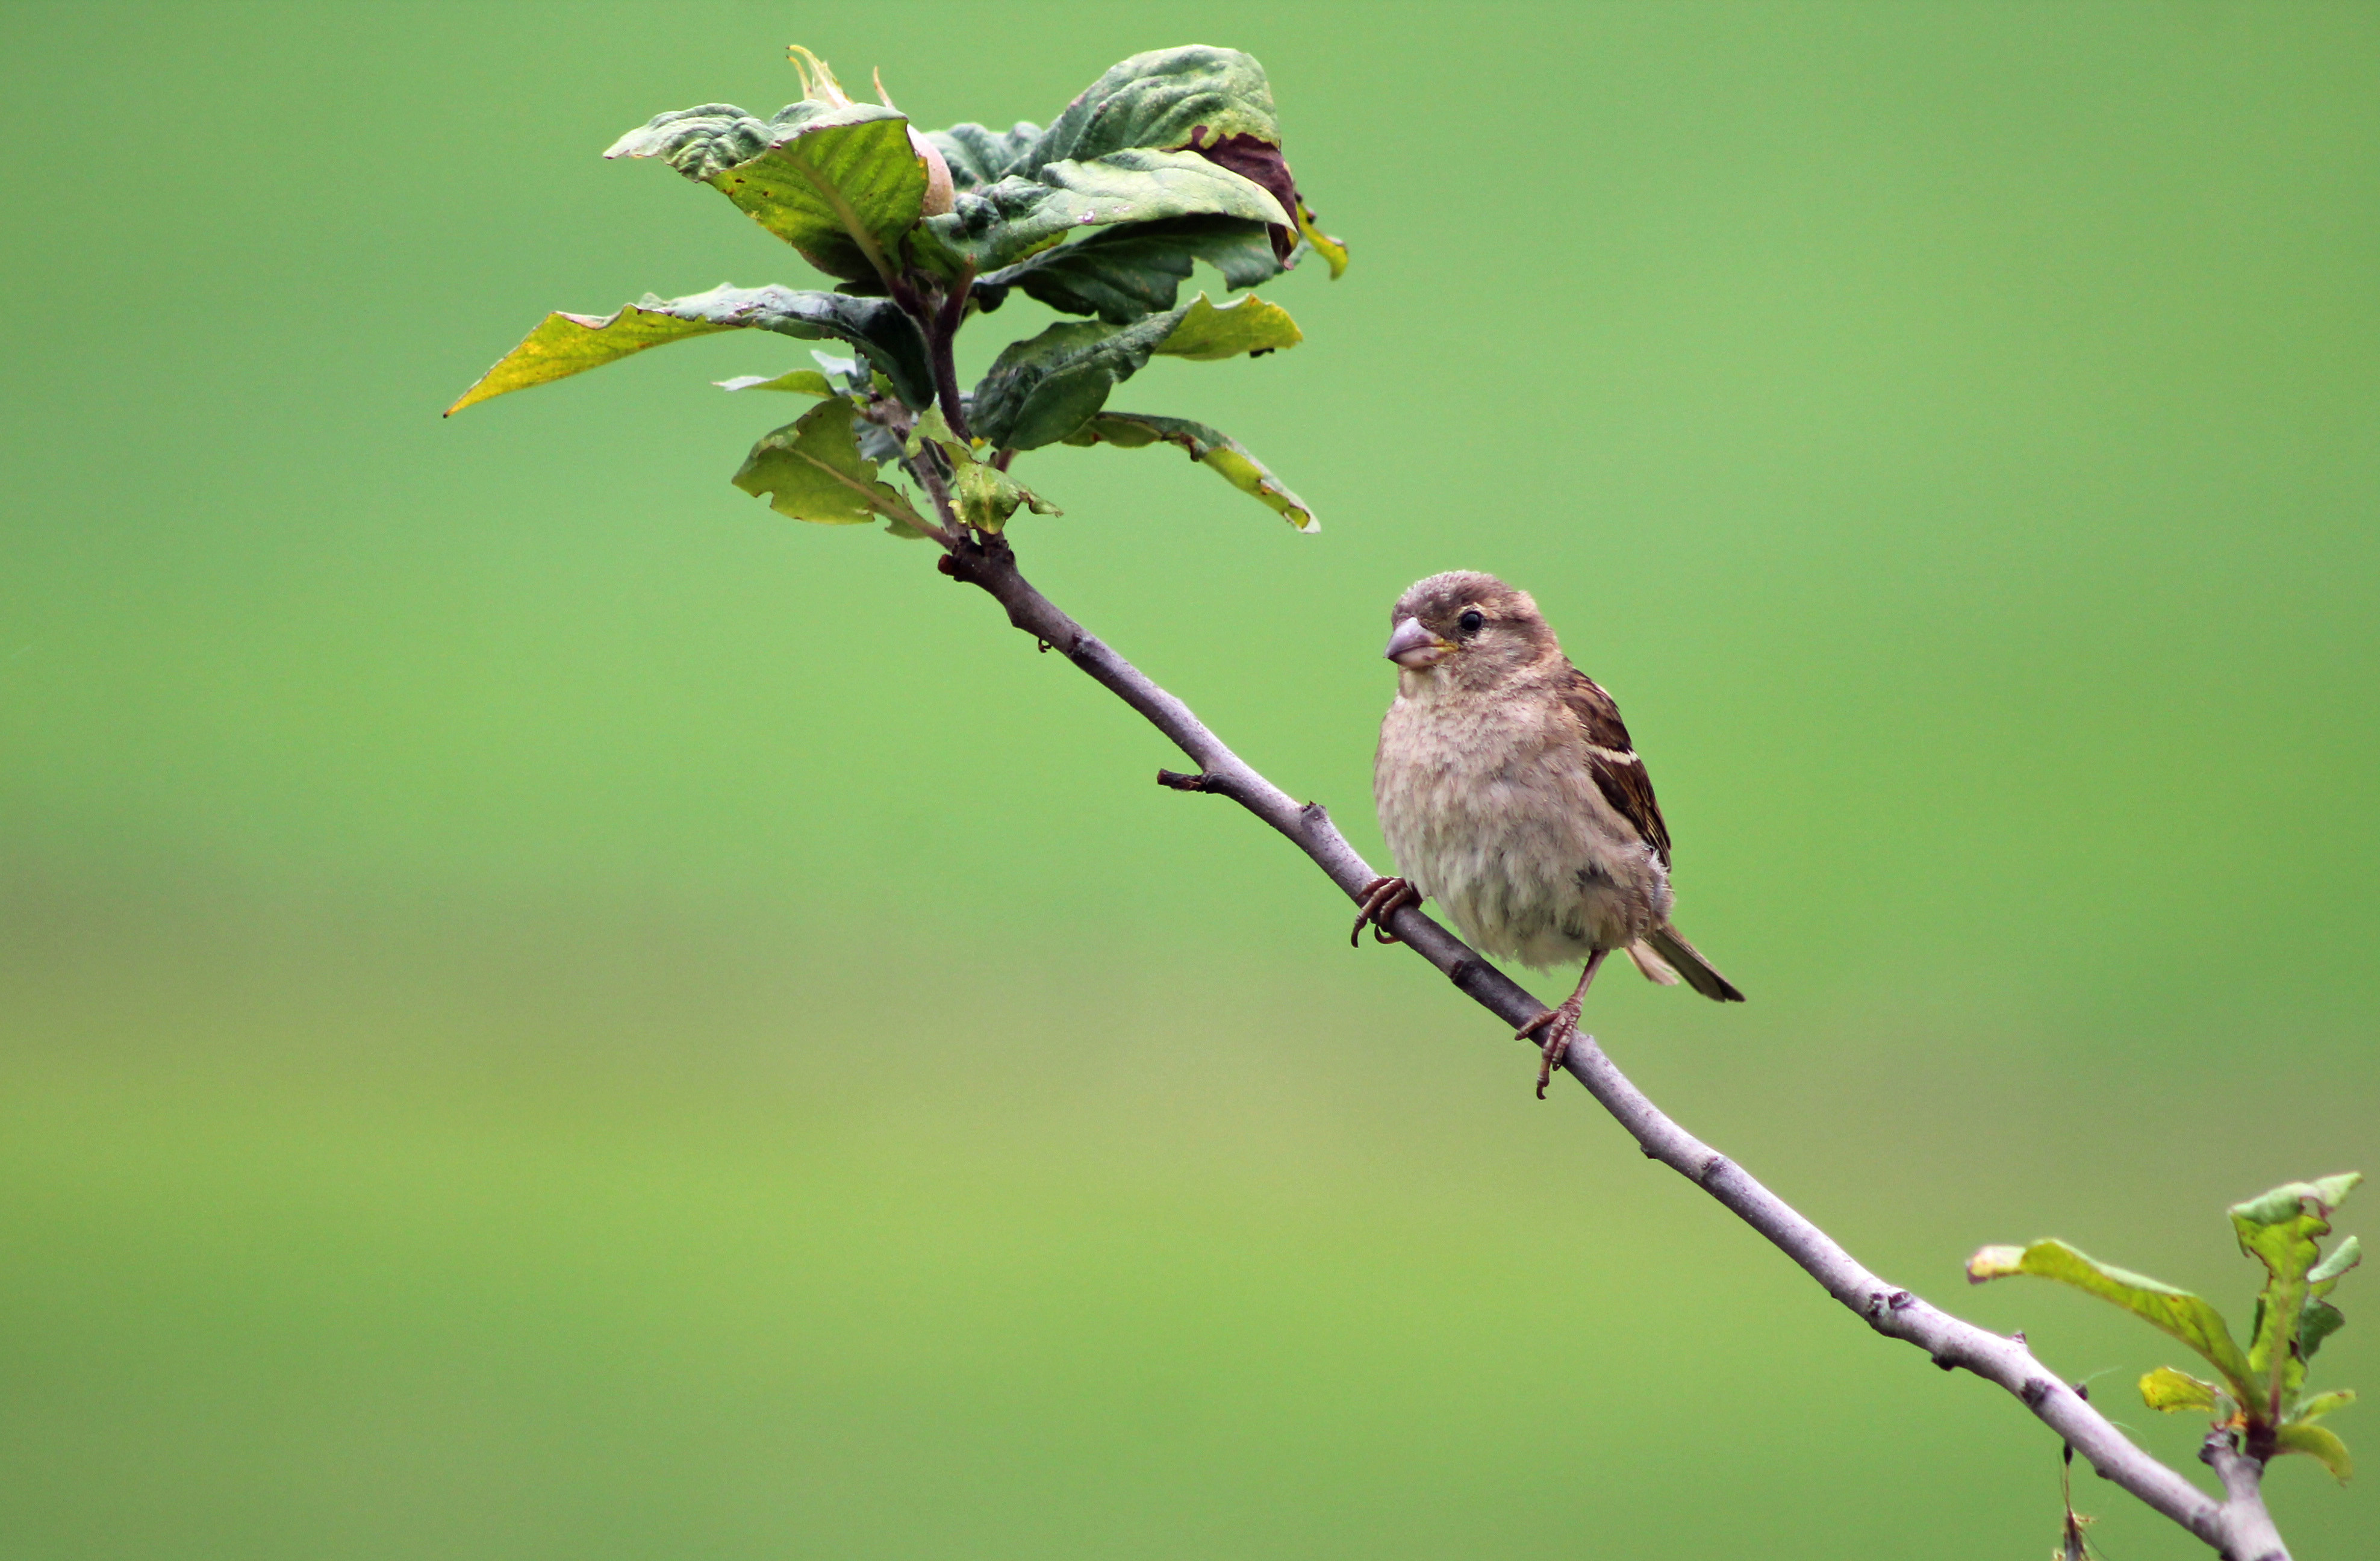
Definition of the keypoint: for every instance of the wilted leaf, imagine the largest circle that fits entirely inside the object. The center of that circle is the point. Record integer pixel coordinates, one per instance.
(801, 381)
(2281, 1229)
(813, 470)
(2322, 1404)
(2178, 1313)
(572, 344)
(841, 184)
(1042, 389)
(999, 225)
(1121, 273)
(2174, 1392)
(1132, 430)
(2319, 1443)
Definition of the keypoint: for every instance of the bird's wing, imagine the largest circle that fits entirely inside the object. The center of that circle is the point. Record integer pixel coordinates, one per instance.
(1611, 758)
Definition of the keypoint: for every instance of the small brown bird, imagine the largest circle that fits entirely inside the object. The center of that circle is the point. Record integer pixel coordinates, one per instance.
(1510, 795)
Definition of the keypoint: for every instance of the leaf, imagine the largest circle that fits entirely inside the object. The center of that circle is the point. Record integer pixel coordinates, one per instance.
(2178, 1313)
(841, 184)
(999, 225)
(1132, 430)
(2323, 1276)
(2322, 1404)
(801, 381)
(1120, 274)
(1042, 389)
(2320, 1321)
(2174, 1392)
(1159, 98)
(1332, 250)
(812, 470)
(979, 156)
(2282, 1231)
(572, 344)
(1210, 333)
(986, 496)
(2318, 1442)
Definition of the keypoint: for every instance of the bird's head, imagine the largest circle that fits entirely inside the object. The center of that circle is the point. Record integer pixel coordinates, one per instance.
(1465, 630)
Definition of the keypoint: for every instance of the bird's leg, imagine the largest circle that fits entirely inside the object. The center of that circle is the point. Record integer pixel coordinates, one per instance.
(1381, 898)
(1559, 1024)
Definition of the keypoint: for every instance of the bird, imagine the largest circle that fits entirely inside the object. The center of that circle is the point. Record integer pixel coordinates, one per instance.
(1509, 793)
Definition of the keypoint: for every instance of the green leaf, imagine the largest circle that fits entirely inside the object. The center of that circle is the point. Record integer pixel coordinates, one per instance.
(2176, 1392)
(1042, 389)
(812, 470)
(1132, 430)
(2282, 1231)
(978, 156)
(999, 225)
(1161, 99)
(2178, 1313)
(2323, 1276)
(2322, 1404)
(2321, 1320)
(986, 496)
(572, 344)
(983, 494)
(2318, 1442)
(800, 381)
(1121, 273)
(841, 184)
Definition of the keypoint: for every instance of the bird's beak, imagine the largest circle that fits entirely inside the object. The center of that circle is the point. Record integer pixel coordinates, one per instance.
(1413, 647)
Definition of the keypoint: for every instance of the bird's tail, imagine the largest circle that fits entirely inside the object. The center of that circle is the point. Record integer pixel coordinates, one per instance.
(1671, 955)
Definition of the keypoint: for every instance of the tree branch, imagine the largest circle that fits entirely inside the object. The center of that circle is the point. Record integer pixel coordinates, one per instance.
(2237, 1528)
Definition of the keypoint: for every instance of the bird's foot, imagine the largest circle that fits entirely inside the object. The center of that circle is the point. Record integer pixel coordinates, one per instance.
(1559, 1024)
(1381, 898)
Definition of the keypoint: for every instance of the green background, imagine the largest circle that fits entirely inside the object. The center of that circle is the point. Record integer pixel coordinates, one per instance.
(550, 1011)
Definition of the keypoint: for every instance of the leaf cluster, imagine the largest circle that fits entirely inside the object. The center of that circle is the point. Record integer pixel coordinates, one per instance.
(2260, 1391)
(1169, 160)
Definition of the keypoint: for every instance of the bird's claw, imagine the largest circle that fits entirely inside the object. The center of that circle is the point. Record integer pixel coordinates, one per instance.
(1559, 1024)
(1381, 898)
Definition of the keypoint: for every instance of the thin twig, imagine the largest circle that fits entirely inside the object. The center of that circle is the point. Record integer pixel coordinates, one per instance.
(2237, 1528)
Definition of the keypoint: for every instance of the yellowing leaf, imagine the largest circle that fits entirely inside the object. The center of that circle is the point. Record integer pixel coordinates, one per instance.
(2174, 1392)
(2318, 1442)
(2179, 1313)
(812, 470)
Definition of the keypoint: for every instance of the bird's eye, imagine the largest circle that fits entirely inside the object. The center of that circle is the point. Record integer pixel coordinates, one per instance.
(1469, 622)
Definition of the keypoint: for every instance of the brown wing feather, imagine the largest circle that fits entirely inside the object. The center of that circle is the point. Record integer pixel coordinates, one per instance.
(1619, 773)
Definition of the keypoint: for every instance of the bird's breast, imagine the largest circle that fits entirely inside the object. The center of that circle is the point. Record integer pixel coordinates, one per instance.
(1483, 815)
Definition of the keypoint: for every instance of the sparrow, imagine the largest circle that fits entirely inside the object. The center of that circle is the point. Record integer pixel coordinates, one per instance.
(1510, 795)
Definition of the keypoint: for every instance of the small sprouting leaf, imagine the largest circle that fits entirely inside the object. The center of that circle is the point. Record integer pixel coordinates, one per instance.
(986, 496)
(2317, 1441)
(801, 381)
(1043, 388)
(840, 183)
(2322, 1404)
(1332, 250)
(2322, 1275)
(2174, 1392)
(1121, 273)
(812, 470)
(2178, 1313)
(1133, 431)
(572, 344)
(2282, 1231)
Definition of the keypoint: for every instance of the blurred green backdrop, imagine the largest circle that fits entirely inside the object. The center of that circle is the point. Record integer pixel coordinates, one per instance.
(550, 1011)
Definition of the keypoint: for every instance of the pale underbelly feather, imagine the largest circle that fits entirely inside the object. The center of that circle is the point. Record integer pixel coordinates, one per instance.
(1529, 863)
